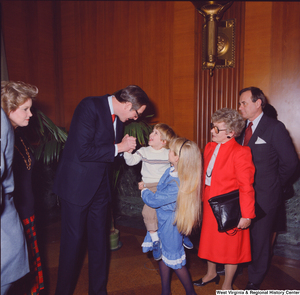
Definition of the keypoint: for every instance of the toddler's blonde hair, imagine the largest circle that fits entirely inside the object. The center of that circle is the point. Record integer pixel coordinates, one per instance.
(166, 132)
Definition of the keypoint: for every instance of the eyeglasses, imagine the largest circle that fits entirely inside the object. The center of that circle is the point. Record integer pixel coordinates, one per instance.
(217, 130)
(137, 115)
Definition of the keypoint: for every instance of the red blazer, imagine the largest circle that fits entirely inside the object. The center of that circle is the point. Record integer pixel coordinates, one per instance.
(233, 170)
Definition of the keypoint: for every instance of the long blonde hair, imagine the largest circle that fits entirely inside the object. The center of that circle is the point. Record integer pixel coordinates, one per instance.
(188, 208)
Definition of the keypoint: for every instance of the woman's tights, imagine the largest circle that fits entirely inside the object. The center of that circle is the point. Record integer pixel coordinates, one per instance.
(183, 275)
(230, 270)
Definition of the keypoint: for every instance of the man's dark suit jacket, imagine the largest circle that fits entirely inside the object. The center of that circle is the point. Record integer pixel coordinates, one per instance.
(275, 161)
(89, 151)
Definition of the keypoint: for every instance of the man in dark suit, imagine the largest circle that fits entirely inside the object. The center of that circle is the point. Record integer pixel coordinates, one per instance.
(83, 185)
(275, 161)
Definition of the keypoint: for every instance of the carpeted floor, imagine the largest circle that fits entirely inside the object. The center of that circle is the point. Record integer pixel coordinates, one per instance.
(133, 273)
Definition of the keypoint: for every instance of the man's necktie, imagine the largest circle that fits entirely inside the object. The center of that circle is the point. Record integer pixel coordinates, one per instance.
(113, 117)
(248, 133)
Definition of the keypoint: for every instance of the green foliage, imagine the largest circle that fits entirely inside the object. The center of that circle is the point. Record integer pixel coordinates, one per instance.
(46, 138)
(140, 129)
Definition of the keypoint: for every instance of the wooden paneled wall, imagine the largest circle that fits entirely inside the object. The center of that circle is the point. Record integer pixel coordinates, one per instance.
(220, 90)
(107, 45)
(29, 41)
(272, 59)
(72, 49)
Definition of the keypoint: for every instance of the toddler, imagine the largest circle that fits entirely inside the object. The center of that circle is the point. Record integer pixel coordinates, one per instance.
(155, 161)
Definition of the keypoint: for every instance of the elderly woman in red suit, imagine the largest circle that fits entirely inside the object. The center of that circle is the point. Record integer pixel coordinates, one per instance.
(228, 166)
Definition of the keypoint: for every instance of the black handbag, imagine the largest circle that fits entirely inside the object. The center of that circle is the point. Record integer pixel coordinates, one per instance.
(226, 209)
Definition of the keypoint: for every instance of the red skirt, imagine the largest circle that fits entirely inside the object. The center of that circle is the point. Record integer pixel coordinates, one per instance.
(221, 247)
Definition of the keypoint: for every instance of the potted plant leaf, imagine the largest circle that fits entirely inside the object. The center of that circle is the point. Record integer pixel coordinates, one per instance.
(47, 139)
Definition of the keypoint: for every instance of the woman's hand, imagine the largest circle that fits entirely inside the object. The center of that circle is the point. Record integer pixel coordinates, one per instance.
(244, 223)
(141, 185)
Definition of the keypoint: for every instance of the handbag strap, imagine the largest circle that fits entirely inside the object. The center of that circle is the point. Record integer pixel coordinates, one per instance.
(234, 231)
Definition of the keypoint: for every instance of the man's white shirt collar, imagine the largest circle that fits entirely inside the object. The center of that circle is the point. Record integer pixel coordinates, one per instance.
(255, 122)
(110, 104)
(115, 123)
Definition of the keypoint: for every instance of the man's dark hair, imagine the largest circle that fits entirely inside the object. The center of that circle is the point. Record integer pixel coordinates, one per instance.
(256, 94)
(133, 94)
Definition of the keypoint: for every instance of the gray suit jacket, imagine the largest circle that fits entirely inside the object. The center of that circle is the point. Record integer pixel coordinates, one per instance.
(275, 161)
(14, 255)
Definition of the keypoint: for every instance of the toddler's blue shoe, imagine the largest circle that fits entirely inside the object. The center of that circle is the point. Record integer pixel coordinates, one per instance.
(156, 252)
(187, 243)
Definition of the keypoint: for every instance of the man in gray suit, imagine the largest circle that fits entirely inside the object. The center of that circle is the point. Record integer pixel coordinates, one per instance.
(14, 255)
(275, 161)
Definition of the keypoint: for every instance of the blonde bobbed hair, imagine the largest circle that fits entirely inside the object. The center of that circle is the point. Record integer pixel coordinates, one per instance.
(14, 94)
